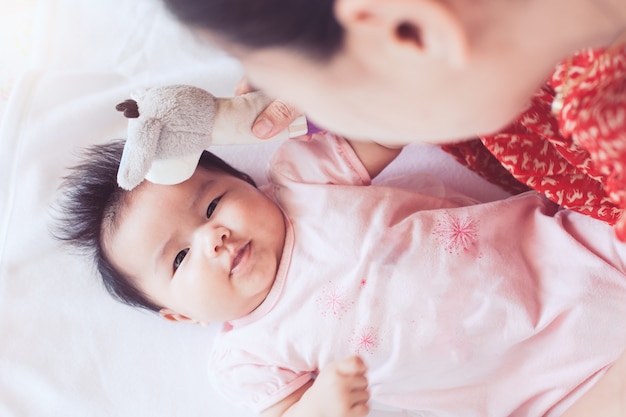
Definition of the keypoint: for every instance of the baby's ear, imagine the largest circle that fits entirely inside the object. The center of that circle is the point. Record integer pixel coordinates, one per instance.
(171, 315)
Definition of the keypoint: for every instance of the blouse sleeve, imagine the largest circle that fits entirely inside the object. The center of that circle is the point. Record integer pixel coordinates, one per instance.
(246, 381)
(322, 158)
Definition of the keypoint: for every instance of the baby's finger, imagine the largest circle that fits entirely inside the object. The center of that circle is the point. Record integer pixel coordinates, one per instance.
(358, 383)
(360, 396)
(359, 410)
(351, 366)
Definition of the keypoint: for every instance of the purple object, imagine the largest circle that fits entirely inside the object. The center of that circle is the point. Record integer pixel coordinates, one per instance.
(311, 128)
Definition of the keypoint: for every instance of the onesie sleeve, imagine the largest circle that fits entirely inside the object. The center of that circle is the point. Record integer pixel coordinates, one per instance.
(322, 158)
(246, 381)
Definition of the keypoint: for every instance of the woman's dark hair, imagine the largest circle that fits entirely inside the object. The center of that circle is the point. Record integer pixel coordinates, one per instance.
(307, 26)
(90, 205)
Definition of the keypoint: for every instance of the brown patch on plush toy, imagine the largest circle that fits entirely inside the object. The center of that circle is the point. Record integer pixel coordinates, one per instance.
(130, 108)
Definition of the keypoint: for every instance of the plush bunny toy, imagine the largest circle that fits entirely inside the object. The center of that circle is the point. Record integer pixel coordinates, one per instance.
(170, 126)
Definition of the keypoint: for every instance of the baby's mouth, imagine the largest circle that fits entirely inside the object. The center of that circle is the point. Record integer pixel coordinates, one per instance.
(240, 258)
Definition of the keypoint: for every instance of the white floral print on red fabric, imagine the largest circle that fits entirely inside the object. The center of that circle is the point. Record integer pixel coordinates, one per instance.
(594, 116)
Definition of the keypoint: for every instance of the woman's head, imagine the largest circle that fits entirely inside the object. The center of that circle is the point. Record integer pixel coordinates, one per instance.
(92, 206)
(394, 70)
(299, 25)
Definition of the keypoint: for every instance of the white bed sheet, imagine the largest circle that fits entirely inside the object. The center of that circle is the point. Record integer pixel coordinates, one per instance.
(66, 348)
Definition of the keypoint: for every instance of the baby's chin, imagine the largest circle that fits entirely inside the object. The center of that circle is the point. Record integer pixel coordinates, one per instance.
(262, 297)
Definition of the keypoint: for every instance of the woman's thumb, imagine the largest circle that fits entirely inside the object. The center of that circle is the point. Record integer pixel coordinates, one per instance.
(274, 119)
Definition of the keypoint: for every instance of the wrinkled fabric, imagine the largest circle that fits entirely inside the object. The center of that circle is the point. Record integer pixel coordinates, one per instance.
(510, 308)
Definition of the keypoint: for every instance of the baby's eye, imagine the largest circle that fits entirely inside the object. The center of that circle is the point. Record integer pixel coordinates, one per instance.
(212, 206)
(179, 258)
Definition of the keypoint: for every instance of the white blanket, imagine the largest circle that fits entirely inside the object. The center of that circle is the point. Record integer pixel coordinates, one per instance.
(66, 348)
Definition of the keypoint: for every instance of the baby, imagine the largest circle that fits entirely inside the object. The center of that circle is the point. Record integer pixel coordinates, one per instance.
(334, 292)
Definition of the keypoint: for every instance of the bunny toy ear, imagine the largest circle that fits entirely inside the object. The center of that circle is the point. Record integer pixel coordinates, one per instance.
(139, 151)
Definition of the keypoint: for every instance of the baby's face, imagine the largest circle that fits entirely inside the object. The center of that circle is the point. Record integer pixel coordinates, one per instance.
(207, 249)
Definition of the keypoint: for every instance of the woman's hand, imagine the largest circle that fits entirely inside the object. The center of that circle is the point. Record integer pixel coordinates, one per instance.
(274, 119)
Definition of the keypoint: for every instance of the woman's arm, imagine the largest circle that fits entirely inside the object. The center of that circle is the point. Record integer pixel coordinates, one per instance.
(340, 390)
(607, 398)
(373, 156)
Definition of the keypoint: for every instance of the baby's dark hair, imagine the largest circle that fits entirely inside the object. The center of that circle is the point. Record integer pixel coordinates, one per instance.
(90, 204)
(307, 26)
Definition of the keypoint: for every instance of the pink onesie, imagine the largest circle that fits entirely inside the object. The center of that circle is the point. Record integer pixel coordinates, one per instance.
(509, 308)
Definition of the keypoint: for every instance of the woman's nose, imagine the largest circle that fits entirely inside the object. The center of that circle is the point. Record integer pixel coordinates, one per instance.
(213, 239)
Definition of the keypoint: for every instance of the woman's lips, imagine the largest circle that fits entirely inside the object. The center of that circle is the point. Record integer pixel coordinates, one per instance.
(240, 259)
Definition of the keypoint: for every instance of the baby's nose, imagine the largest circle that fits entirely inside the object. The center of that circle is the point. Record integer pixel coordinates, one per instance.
(214, 239)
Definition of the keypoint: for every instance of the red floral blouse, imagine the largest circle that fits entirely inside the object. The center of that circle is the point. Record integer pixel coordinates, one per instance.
(576, 156)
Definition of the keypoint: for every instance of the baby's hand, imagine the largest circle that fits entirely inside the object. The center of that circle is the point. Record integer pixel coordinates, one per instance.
(340, 389)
